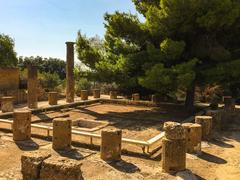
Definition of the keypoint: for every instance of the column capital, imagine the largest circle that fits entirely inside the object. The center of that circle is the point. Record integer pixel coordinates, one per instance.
(69, 43)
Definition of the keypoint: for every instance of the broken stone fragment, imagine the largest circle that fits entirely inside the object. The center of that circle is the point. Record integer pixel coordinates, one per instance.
(31, 164)
(61, 168)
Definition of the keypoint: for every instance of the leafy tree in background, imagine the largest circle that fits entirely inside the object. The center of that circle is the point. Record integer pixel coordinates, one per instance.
(7, 54)
(48, 65)
(180, 45)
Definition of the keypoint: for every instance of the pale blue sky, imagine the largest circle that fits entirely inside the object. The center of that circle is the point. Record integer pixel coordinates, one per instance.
(41, 27)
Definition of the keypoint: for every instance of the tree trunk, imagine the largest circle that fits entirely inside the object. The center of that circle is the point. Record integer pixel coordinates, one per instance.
(190, 95)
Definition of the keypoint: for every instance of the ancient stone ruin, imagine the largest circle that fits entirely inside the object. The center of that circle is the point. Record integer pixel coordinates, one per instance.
(84, 95)
(111, 145)
(173, 148)
(69, 73)
(53, 98)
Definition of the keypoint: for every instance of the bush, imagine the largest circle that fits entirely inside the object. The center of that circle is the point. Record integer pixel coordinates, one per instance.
(82, 84)
(49, 81)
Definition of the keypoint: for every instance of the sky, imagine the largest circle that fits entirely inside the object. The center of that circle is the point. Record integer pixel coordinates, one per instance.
(41, 27)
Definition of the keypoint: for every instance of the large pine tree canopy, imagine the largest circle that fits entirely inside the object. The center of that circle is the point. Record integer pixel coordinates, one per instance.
(180, 44)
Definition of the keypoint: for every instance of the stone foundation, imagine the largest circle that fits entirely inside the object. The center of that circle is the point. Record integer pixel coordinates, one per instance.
(60, 168)
(62, 134)
(173, 148)
(136, 97)
(31, 163)
(111, 145)
(206, 123)
(21, 125)
(84, 95)
(7, 104)
(113, 94)
(53, 98)
(96, 93)
(193, 137)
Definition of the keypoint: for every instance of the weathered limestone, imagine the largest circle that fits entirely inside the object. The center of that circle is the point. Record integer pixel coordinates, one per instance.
(173, 148)
(21, 125)
(136, 97)
(60, 168)
(229, 104)
(31, 163)
(32, 87)
(84, 95)
(53, 98)
(173, 130)
(7, 104)
(113, 94)
(193, 137)
(217, 119)
(206, 123)
(96, 93)
(111, 145)
(62, 134)
(70, 91)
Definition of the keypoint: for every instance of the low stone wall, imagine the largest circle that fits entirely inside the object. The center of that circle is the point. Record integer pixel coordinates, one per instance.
(43, 165)
(20, 95)
(129, 102)
(9, 79)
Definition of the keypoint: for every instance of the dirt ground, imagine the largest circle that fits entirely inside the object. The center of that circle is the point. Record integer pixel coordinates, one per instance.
(220, 158)
(136, 122)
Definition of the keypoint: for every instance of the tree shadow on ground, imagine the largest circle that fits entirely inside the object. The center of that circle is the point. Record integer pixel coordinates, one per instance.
(124, 166)
(28, 145)
(144, 119)
(221, 143)
(212, 158)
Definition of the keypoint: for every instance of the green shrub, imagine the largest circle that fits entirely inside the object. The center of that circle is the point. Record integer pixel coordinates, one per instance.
(82, 84)
(50, 81)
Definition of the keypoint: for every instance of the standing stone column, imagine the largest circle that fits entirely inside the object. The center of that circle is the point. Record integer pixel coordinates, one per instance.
(32, 87)
(217, 119)
(7, 104)
(206, 123)
(229, 104)
(154, 98)
(96, 93)
(70, 91)
(53, 98)
(113, 94)
(84, 95)
(136, 97)
(173, 148)
(21, 125)
(62, 134)
(111, 145)
(193, 137)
